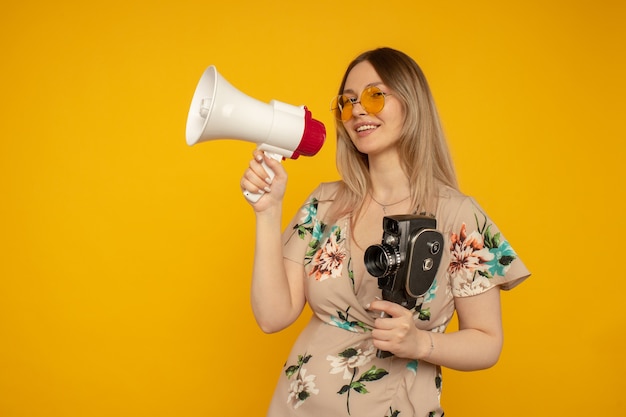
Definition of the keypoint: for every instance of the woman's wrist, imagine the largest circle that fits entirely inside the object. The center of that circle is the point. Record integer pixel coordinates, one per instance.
(272, 212)
(427, 346)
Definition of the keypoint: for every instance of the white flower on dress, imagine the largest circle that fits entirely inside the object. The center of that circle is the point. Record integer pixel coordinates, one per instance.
(349, 360)
(301, 389)
(328, 261)
(477, 286)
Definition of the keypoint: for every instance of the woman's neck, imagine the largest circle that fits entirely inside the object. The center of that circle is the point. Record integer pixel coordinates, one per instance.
(388, 179)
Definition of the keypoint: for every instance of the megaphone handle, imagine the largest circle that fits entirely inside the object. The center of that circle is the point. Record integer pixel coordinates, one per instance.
(254, 197)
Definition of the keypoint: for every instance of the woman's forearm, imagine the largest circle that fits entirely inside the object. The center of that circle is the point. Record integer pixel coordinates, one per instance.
(478, 342)
(463, 350)
(276, 300)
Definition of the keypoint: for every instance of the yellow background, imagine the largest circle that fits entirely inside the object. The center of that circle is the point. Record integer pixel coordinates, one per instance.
(125, 255)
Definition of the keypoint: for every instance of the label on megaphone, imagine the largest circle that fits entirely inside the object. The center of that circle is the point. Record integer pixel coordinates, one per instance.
(220, 111)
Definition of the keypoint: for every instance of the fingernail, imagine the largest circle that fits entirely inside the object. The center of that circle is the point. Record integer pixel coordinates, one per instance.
(267, 189)
(259, 158)
(268, 180)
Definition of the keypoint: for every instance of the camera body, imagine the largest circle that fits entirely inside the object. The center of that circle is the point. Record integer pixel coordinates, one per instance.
(407, 260)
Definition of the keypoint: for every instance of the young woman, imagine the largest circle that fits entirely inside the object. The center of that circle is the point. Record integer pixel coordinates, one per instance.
(393, 159)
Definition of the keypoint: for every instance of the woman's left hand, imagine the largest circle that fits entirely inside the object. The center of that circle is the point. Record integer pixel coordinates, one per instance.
(397, 332)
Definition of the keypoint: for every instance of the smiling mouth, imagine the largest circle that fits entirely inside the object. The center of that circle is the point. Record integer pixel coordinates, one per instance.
(363, 128)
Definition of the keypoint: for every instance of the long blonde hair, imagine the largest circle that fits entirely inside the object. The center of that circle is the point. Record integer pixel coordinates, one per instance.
(426, 159)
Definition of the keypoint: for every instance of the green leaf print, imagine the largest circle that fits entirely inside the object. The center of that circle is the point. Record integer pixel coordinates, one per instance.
(302, 231)
(351, 272)
(424, 314)
(310, 226)
(393, 413)
(372, 374)
(344, 322)
(348, 353)
(313, 247)
(359, 387)
(293, 369)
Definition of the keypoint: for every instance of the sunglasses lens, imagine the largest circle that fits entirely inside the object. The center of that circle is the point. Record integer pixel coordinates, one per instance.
(373, 100)
(346, 108)
(342, 108)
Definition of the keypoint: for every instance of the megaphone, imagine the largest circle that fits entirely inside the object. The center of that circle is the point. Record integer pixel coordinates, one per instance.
(220, 111)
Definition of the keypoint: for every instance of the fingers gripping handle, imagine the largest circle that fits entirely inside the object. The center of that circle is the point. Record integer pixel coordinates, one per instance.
(254, 197)
(382, 354)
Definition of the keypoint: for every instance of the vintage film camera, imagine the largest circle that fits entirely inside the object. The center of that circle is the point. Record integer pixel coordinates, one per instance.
(407, 260)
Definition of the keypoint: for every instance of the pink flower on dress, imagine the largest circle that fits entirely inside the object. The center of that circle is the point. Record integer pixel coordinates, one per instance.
(328, 261)
(469, 254)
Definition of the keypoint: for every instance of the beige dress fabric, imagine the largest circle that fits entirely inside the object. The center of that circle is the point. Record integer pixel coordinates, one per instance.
(332, 369)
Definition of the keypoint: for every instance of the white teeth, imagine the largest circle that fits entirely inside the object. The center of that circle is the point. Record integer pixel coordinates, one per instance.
(365, 127)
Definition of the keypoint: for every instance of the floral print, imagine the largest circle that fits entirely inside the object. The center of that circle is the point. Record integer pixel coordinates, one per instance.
(301, 389)
(372, 374)
(328, 261)
(424, 313)
(303, 385)
(348, 363)
(342, 320)
(477, 257)
(340, 373)
(325, 253)
(393, 413)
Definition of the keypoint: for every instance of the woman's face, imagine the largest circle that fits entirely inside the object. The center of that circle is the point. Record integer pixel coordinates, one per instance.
(372, 134)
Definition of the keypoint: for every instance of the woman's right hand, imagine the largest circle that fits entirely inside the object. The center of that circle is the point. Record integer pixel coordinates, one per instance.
(256, 180)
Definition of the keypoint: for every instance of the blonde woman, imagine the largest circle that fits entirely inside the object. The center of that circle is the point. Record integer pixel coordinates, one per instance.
(393, 159)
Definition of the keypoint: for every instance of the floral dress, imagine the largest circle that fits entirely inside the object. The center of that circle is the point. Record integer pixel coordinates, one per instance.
(333, 369)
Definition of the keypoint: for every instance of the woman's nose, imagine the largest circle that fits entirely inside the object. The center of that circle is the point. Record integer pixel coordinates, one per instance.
(358, 110)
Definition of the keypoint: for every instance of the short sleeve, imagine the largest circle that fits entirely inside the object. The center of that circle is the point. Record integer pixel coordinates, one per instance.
(480, 256)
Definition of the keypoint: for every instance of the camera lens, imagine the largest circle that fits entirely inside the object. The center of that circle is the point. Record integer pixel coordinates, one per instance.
(381, 260)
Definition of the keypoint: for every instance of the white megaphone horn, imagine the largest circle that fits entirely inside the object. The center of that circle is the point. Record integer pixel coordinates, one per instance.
(220, 111)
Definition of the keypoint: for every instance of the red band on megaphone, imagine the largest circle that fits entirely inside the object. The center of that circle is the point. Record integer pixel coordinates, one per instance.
(312, 138)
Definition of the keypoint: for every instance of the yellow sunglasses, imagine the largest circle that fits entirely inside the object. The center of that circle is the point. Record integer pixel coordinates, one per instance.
(372, 100)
